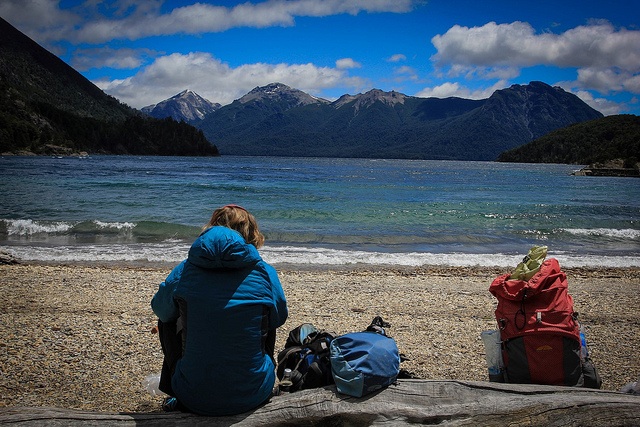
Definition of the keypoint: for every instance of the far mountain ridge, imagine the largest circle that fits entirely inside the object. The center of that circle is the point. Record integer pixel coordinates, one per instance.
(538, 108)
(368, 98)
(276, 120)
(279, 92)
(186, 106)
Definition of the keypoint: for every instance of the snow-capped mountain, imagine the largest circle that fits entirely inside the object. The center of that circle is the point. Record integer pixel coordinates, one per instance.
(186, 106)
(281, 93)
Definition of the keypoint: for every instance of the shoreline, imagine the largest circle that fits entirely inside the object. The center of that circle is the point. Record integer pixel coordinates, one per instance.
(374, 260)
(490, 270)
(79, 336)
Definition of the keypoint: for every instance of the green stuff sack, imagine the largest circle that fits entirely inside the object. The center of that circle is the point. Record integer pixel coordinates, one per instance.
(530, 265)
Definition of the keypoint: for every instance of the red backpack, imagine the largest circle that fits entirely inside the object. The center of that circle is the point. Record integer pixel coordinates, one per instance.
(538, 328)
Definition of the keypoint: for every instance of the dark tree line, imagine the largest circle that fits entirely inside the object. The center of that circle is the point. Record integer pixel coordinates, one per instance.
(595, 141)
(41, 127)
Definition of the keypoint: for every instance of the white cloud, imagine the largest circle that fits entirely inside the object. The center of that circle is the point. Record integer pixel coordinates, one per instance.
(133, 20)
(607, 80)
(41, 20)
(347, 63)
(398, 57)
(215, 80)
(449, 89)
(85, 59)
(489, 45)
(605, 106)
(516, 44)
(608, 59)
(405, 73)
(43, 12)
(319, 8)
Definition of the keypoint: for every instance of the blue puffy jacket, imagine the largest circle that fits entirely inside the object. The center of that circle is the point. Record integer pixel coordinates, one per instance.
(227, 298)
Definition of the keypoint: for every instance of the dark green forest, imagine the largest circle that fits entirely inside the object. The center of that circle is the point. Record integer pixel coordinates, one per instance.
(591, 142)
(42, 128)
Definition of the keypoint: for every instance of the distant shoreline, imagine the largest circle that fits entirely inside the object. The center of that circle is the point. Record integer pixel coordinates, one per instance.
(590, 170)
(619, 172)
(614, 167)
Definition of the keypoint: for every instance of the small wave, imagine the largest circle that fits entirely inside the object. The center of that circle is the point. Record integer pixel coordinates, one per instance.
(27, 227)
(323, 256)
(305, 256)
(607, 233)
(68, 232)
(139, 253)
(116, 225)
(625, 233)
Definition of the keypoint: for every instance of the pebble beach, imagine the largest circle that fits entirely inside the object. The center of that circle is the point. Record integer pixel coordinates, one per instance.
(80, 336)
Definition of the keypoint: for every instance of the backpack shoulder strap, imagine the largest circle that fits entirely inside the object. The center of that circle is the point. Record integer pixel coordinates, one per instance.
(298, 335)
(283, 357)
(319, 342)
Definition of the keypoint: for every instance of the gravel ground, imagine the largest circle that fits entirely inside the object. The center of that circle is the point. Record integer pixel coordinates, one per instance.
(79, 337)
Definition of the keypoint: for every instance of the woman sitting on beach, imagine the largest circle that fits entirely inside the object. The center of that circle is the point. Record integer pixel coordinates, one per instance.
(217, 317)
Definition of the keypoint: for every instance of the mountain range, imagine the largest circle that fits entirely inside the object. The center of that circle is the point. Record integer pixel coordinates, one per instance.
(47, 107)
(277, 120)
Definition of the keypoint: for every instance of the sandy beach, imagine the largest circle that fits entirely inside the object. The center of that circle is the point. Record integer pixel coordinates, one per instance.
(79, 336)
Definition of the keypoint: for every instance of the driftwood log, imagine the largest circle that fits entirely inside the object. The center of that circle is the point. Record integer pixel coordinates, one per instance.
(450, 403)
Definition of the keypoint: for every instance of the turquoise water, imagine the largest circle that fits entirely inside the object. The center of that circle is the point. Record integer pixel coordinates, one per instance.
(317, 210)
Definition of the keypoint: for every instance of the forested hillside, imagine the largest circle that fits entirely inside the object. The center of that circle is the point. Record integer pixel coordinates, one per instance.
(46, 107)
(594, 141)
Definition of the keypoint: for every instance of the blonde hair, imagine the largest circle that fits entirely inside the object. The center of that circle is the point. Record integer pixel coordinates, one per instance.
(239, 219)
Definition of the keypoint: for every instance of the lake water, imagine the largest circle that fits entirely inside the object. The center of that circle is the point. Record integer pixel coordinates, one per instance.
(317, 211)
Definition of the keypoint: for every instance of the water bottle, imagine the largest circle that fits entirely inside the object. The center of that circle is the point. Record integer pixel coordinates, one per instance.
(584, 352)
(493, 350)
(152, 383)
(286, 382)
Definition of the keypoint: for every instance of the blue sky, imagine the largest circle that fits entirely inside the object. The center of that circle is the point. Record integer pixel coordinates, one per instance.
(143, 52)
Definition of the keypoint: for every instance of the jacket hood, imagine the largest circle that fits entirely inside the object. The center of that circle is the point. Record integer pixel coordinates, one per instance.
(222, 247)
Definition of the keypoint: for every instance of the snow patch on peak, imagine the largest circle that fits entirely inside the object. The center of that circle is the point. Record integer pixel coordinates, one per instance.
(184, 93)
(367, 99)
(279, 91)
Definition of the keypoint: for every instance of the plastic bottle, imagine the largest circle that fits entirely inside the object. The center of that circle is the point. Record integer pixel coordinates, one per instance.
(493, 349)
(151, 383)
(584, 351)
(286, 382)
